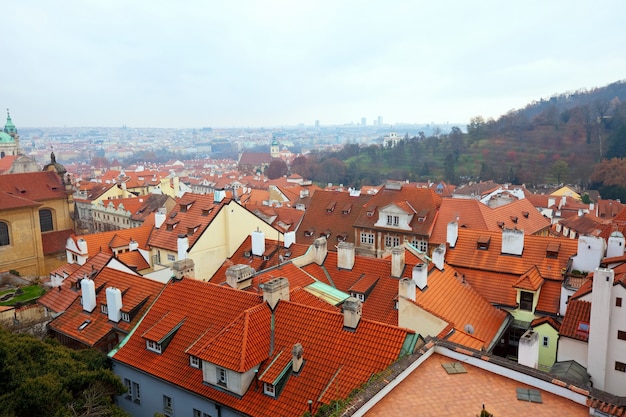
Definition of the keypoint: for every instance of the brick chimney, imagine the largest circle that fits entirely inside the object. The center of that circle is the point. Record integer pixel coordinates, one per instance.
(240, 276)
(397, 261)
(296, 358)
(276, 290)
(352, 309)
(345, 255)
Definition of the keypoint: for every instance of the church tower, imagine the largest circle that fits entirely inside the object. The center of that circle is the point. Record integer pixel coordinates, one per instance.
(9, 139)
(275, 149)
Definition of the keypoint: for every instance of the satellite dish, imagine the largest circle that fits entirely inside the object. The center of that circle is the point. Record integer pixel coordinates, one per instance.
(469, 329)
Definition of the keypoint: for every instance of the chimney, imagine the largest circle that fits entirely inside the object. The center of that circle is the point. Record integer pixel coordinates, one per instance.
(615, 245)
(239, 276)
(321, 250)
(528, 350)
(276, 290)
(352, 308)
(345, 255)
(453, 233)
(184, 268)
(82, 246)
(114, 304)
(159, 218)
(551, 201)
(218, 196)
(420, 276)
(563, 201)
(258, 242)
(133, 245)
(88, 289)
(289, 238)
(296, 358)
(512, 242)
(439, 256)
(406, 288)
(183, 247)
(397, 261)
(600, 326)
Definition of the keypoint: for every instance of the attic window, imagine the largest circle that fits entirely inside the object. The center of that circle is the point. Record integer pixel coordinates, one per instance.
(194, 362)
(421, 219)
(84, 324)
(552, 251)
(206, 212)
(192, 230)
(153, 346)
(370, 211)
(342, 237)
(326, 233)
(126, 317)
(501, 225)
(309, 232)
(514, 219)
(346, 209)
(583, 329)
(171, 226)
(331, 206)
(269, 389)
(483, 242)
(525, 214)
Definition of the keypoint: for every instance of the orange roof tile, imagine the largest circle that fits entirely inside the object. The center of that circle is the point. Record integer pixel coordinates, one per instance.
(530, 280)
(578, 312)
(34, 186)
(108, 241)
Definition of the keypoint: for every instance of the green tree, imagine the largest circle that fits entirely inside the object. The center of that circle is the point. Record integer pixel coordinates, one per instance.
(560, 170)
(448, 166)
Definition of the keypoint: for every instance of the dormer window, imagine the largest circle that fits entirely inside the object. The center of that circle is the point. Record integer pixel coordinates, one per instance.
(206, 212)
(346, 209)
(222, 377)
(331, 207)
(421, 219)
(514, 219)
(552, 251)
(483, 243)
(153, 346)
(104, 309)
(309, 232)
(171, 226)
(126, 317)
(194, 362)
(526, 300)
(393, 220)
(269, 389)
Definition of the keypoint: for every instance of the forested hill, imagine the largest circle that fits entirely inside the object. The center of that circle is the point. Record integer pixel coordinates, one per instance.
(556, 140)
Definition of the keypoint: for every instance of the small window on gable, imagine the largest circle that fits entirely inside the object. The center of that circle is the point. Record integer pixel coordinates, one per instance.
(546, 341)
(194, 362)
(269, 389)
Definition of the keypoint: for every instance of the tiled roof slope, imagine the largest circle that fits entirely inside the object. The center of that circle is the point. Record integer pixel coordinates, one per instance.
(333, 356)
(519, 214)
(34, 186)
(468, 213)
(107, 241)
(150, 204)
(466, 254)
(11, 201)
(424, 201)
(578, 311)
(331, 211)
(198, 213)
(60, 299)
(137, 294)
(54, 242)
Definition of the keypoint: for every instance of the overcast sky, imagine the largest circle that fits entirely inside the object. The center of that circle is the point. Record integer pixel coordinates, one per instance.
(251, 63)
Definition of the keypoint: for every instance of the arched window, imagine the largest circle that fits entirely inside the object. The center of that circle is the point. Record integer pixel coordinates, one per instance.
(45, 220)
(4, 234)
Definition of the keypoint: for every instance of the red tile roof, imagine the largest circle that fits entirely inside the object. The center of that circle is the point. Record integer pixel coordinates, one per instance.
(108, 241)
(54, 242)
(333, 356)
(578, 311)
(530, 280)
(34, 186)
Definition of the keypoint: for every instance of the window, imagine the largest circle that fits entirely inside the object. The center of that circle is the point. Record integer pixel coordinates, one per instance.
(197, 413)
(129, 388)
(126, 317)
(621, 335)
(420, 244)
(136, 393)
(367, 238)
(45, 220)
(194, 361)
(153, 346)
(582, 330)
(546, 341)
(393, 220)
(170, 257)
(269, 389)
(222, 377)
(4, 234)
(392, 241)
(618, 302)
(619, 366)
(104, 309)
(167, 404)
(526, 300)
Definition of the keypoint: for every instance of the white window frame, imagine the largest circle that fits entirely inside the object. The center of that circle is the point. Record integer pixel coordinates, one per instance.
(168, 404)
(171, 258)
(367, 238)
(153, 346)
(222, 376)
(136, 393)
(194, 361)
(129, 388)
(126, 317)
(392, 241)
(269, 389)
(104, 309)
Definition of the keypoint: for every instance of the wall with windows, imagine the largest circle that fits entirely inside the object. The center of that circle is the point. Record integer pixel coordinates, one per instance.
(616, 350)
(548, 341)
(20, 242)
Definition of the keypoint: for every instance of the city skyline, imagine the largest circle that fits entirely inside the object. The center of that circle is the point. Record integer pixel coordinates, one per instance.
(278, 63)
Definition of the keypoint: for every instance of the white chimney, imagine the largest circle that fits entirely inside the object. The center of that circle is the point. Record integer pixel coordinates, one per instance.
(439, 256)
(528, 350)
(114, 303)
(289, 238)
(397, 261)
(218, 196)
(512, 242)
(159, 218)
(420, 276)
(258, 243)
(88, 289)
(599, 326)
(321, 249)
(615, 245)
(82, 246)
(551, 201)
(296, 358)
(352, 309)
(453, 233)
(183, 246)
(345, 255)
(406, 288)
(563, 201)
(276, 290)
(133, 245)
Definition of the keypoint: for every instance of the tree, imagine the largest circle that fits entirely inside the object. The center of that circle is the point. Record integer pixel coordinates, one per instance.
(276, 169)
(560, 170)
(448, 166)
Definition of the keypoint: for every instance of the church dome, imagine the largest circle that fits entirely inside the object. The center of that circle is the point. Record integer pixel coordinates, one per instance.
(6, 138)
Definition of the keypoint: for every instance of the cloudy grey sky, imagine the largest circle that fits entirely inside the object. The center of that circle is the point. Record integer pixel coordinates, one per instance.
(153, 63)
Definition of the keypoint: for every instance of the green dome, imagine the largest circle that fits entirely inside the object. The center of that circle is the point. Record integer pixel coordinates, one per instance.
(9, 127)
(5, 138)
